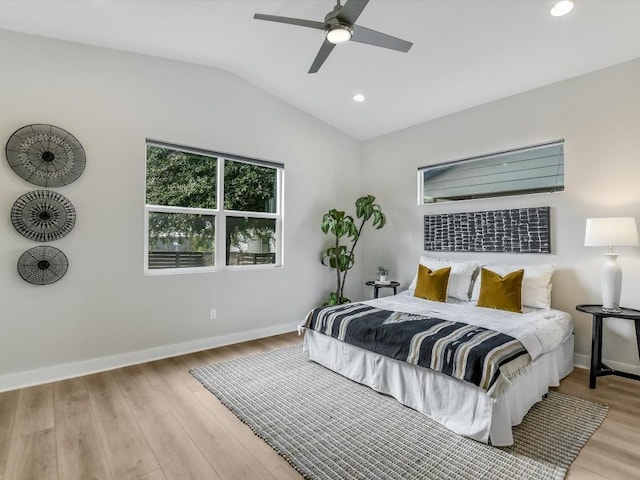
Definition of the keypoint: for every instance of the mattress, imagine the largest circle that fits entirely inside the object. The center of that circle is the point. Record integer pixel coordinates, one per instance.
(458, 405)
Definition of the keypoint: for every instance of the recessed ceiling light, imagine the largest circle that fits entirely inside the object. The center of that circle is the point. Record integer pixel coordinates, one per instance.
(562, 8)
(358, 98)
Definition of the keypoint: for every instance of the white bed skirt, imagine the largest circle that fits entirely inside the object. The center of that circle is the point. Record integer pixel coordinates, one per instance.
(458, 405)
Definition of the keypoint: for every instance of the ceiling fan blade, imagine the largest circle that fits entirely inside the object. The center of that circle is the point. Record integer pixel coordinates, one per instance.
(292, 21)
(322, 55)
(352, 10)
(379, 39)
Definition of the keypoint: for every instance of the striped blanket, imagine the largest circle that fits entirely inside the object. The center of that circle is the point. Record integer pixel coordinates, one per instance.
(483, 357)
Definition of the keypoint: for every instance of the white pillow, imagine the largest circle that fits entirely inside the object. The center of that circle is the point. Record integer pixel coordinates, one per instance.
(536, 283)
(459, 278)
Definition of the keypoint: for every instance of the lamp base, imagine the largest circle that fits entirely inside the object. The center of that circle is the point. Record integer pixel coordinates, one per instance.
(611, 283)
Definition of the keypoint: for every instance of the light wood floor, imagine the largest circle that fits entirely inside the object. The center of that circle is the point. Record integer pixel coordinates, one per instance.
(156, 422)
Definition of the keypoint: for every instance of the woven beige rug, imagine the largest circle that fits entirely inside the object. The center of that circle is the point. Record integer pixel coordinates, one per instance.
(328, 427)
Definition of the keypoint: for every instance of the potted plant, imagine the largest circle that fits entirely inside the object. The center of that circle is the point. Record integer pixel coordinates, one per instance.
(382, 274)
(343, 228)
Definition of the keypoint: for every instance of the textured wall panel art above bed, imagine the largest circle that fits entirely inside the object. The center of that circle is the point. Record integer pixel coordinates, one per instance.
(517, 230)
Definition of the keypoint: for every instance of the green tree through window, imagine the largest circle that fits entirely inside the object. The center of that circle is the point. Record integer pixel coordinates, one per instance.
(181, 198)
(248, 188)
(181, 179)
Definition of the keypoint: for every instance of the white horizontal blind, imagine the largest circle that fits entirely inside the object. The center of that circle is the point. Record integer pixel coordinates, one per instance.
(211, 153)
(533, 169)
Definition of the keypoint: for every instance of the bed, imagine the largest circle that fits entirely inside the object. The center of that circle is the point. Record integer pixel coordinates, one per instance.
(541, 347)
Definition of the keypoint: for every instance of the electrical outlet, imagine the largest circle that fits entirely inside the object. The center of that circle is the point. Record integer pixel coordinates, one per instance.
(213, 314)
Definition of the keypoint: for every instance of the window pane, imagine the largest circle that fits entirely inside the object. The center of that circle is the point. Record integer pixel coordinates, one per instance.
(180, 179)
(516, 172)
(249, 187)
(251, 241)
(181, 240)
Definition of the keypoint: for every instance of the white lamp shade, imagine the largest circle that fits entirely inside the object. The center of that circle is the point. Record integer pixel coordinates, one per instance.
(611, 232)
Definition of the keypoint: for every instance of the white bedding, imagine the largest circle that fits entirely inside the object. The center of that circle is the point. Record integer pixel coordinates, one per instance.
(458, 405)
(539, 330)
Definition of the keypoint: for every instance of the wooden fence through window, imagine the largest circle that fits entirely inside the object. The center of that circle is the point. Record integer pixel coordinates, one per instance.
(166, 259)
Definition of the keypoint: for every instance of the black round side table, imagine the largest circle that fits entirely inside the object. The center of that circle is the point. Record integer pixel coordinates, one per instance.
(377, 286)
(599, 369)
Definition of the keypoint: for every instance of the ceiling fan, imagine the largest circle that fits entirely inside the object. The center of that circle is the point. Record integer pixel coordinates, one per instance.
(339, 27)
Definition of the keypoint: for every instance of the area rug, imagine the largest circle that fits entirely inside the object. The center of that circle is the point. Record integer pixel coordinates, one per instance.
(328, 427)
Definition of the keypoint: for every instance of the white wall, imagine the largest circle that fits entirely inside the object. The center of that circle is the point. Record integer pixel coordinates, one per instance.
(598, 115)
(104, 312)
(104, 306)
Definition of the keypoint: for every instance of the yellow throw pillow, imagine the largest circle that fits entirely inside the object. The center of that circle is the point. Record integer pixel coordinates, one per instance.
(432, 285)
(502, 293)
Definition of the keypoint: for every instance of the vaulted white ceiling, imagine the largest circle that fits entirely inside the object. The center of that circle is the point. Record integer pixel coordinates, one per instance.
(465, 52)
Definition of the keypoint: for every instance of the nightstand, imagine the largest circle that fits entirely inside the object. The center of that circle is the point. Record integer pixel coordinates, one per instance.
(377, 286)
(599, 369)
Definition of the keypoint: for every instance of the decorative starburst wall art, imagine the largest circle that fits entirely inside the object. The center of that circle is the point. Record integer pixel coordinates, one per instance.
(43, 215)
(42, 265)
(45, 155)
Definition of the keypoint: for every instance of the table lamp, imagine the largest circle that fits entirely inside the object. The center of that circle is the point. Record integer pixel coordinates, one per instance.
(611, 232)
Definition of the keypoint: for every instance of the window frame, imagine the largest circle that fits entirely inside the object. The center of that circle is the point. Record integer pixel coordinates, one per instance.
(219, 213)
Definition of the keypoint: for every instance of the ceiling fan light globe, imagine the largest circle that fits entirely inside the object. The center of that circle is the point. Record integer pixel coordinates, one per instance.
(562, 8)
(338, 34)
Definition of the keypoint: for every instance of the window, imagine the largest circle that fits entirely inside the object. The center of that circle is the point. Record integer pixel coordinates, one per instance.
(198, 200)
(535, 169)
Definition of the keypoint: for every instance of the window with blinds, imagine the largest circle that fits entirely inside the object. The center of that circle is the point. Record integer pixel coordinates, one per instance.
(208, 211)
(535, 169)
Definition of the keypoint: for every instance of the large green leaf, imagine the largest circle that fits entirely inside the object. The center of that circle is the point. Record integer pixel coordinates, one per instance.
(339, 224)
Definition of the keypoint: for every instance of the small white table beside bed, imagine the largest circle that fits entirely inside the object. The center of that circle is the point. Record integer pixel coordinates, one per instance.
(482, 410)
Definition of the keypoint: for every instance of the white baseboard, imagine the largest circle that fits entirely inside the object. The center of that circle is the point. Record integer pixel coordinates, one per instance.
(29, 378)
(581, 361)
(584, 361)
